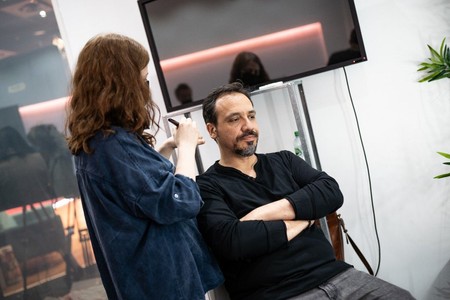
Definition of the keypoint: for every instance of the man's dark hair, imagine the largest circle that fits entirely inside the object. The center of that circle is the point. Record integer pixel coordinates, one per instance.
(209, 104)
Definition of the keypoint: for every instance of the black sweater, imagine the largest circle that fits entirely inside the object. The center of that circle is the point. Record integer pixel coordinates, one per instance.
(257, 259)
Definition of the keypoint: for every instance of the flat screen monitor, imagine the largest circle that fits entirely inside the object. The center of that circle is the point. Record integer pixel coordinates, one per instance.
(198, 45)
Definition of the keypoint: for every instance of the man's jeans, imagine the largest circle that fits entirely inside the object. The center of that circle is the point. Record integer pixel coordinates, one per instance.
(354, 284)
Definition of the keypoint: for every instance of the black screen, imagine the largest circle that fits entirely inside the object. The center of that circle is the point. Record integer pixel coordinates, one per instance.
(195, 43)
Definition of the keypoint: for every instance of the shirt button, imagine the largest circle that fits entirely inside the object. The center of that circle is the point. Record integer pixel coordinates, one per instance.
(176, 196)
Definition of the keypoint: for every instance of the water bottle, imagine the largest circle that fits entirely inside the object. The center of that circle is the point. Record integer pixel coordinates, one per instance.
(297, 145)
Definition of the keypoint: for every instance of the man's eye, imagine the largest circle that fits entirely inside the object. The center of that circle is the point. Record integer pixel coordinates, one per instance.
(252, 117)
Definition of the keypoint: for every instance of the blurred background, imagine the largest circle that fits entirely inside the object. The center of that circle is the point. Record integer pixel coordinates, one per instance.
(45, 250)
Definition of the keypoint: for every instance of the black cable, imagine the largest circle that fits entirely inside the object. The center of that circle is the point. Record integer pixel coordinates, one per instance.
(368, 173)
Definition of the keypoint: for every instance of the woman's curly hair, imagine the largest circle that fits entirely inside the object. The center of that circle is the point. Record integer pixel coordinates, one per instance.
(108, 90)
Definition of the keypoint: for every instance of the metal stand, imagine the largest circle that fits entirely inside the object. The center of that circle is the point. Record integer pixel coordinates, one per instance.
(198, 157)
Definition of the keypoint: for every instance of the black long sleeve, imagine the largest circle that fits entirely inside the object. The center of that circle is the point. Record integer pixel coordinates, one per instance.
(256, 257)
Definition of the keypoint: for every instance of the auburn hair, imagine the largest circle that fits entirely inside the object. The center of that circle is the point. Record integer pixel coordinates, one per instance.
(108, 90)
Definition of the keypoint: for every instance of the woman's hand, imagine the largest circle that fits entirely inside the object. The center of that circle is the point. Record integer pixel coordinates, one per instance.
(186, 134)
(186, 138)
(167, 147)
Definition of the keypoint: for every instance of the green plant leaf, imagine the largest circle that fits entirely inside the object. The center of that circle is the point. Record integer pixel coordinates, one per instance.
(435, 57)
(430, 77)
(442, 47)
(438, 75)
(442, 176)
(438, 64)
(446, 155)
(447, 55)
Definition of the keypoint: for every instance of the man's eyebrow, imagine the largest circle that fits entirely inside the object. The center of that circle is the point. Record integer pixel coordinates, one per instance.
(238, 114)
(232, 115)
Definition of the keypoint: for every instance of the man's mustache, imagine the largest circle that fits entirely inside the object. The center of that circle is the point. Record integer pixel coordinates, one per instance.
(248, 133)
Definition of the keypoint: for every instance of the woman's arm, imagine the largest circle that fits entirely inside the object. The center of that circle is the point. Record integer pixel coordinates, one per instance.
(186, 138)
(167, 147)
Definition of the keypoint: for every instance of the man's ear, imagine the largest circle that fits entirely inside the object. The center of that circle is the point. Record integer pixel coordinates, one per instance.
(211, 130)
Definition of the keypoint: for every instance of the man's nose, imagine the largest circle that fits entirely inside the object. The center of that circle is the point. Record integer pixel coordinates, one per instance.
(248, 124)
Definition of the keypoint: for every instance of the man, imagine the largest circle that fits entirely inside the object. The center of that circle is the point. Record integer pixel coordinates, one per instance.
(258, 213)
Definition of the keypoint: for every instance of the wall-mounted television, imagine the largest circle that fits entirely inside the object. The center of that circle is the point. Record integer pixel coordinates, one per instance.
(194, 43)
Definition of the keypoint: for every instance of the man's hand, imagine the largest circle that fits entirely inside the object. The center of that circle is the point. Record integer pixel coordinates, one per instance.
(294, 228)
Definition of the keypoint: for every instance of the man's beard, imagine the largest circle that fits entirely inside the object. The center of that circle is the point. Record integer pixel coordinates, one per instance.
(251, 146)
(246, 152)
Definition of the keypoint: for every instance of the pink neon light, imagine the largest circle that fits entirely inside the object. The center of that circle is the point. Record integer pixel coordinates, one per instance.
(233, 48)
(42, 107)
(52, 111)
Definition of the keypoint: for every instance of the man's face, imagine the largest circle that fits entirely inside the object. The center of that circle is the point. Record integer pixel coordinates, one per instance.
(236, 130)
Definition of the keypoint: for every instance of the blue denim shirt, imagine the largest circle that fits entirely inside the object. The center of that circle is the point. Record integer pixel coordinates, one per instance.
(141, 221)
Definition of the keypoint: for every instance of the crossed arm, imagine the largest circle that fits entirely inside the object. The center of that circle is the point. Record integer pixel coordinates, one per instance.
(262, 229)
(279, 210)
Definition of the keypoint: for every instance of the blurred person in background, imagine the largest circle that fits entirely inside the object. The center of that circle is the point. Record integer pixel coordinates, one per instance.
(248, 69)
(53, 147)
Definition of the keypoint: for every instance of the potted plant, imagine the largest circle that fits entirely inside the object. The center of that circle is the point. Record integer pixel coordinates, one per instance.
(438, 65)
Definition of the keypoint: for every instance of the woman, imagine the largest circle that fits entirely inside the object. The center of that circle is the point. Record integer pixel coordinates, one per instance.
(248, 69)
(139, 209)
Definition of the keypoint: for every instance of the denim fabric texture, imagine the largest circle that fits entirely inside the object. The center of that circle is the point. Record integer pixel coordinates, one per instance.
(141, 221)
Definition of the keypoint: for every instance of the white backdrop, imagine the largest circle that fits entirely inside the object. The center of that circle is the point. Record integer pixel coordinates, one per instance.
(403, 123)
